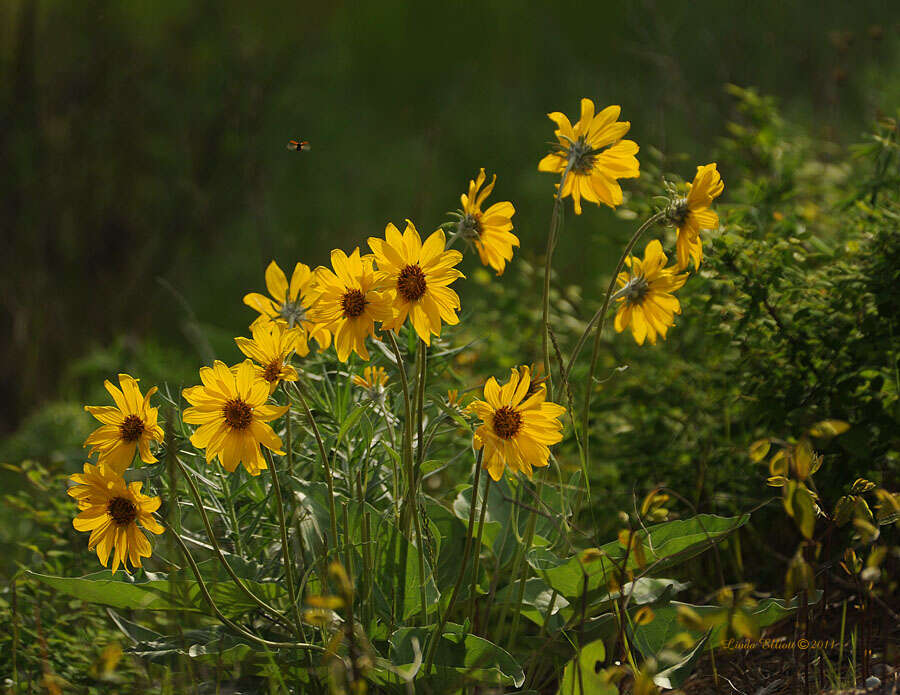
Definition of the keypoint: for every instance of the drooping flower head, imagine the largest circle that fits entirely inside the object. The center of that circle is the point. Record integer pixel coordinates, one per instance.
(129, 425)
(488, 230)
(645, 298)
(271, 349)
(350, 302)
(373, 378)
(112, 511)
(518, 424)
(230, 407)
(594, 154)
(289, 304)
(416, 281)
(692, 214)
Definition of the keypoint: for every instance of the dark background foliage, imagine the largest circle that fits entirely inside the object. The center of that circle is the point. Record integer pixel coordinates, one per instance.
(146, 182)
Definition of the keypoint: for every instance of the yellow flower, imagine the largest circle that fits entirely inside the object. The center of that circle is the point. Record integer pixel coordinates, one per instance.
(373, 377)
(129, 425)
(453, 398)
(518, 424)
(231, 411)
(417, 276)
(691, 215)
(488, 230)
(349, 303)
(645, 295)
(595, 155)
(289, 304)
(271, 348)
(111, 510)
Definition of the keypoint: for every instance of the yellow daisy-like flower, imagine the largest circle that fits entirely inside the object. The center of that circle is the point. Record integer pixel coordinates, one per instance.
(271, 349)
(289, 304)
(490, 229)
(112, 510)
(129, 425)
(230, 407)
(518, 424)
(595, 155)
(372, 378)
(645, 298)
(417, 276)
(691, 214)
(350, 302)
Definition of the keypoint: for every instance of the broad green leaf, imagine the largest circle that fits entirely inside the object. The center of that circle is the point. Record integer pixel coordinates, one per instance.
(469, 656)
(759, 449)
(536, 601)
(673, 676)
(157, 594)
(582, 675)
(667, 544)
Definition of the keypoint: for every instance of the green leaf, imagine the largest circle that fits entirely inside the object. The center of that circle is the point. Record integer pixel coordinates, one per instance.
(582, 675)
(158, 594)
(667, 544)
(759, 449)
(468, 655)
(676, 674)
(536, 600)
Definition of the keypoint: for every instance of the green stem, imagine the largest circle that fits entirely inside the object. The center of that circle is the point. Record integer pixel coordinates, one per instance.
(224, 620)
(329, 479)
(285, 545)
(407, 436)
(599, 319)
(524, 548)
(548, 262)
(477, 559)
(198, 503)
(436, 635)
(422, 358)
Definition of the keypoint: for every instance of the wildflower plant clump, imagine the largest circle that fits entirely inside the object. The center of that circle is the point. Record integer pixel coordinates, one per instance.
(377, 553)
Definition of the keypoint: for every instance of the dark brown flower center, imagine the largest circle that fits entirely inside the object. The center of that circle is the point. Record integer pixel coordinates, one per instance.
(411, 283)
(353, 303)
(272, 372)
(507, 422)
(122, 511)
(238, 414)
(132, 428)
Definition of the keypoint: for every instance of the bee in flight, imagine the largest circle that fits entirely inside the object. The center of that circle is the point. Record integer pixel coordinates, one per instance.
(298, 145)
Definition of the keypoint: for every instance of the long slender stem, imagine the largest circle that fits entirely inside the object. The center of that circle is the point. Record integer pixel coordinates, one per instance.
(477, 559)
(525, 548)
(420, 403)
(599, 319)
(198, 503)
(285, 545)
(408, 434)
(436, 635)
(548, 263)
(329, 479)
(225, 621)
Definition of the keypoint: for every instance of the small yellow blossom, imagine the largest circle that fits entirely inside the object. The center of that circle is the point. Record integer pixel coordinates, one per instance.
(372, 378)
(594, 154)
(111, 510)
(691, 214)
(271, 349)
(488, 230)
(130, 425)
(645, 298)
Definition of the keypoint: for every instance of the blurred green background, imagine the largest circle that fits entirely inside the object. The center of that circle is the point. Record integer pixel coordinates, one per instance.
(147, 184)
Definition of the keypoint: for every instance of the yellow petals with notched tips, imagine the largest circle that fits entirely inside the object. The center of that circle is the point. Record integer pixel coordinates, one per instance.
(128, 426)
(646, 302)
(489, 230)
(112, 511)
(417, 276)
(692, 214)
(271, 349)
(592, 155)
(289, 303)
(518, 424)
(350, 302)
(230, 407)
